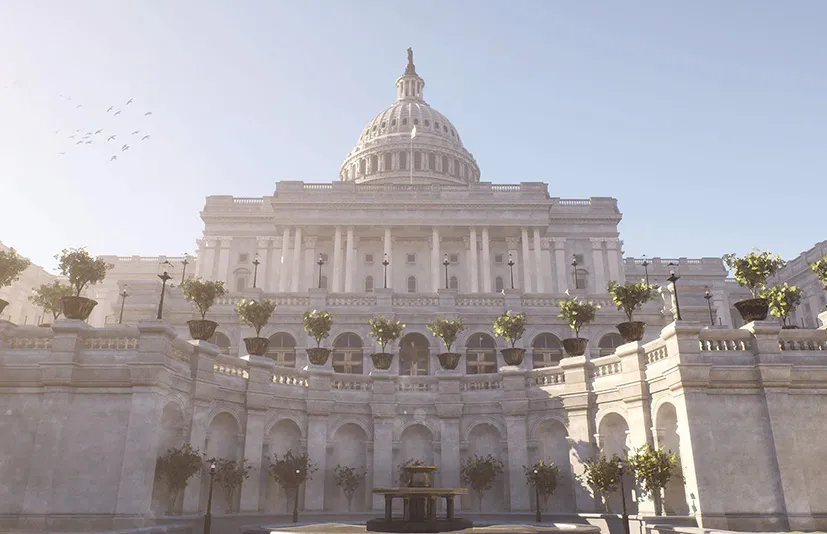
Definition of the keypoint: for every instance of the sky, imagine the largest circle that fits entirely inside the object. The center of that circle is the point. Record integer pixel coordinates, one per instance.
(707, 120)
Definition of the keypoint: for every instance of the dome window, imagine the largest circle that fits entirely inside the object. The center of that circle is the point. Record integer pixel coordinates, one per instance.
(393, 122)
(445, 129)
(416, 122)
(437, 125)
(374, 127)
(404, 122)
(427, 122)
(383, 124)
(452, 133)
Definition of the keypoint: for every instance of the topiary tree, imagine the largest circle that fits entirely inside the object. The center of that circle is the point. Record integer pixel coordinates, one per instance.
(446, 329)
(753, 270)
(653, 469)
(255, 313)
(510, 326)
(630, 296)
(290, 472)
(385, 331)
(544, 477)
(317, 324)
(783, 300)
(50, 297)
(81, 268)
(479, 473)
(231, 474)
(202, 293)
(577, 313)
(176, 467)
(603, 474)
(348, 479)
(12, 266)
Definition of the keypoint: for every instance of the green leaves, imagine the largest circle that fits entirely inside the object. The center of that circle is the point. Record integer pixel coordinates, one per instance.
(653, 468)
(783, 300)
(479, 473)
(255, 313)
(317, 324)
(510, 326)
(50, 297)
(348, 479)
(81, 268)
(545, 479)
(603, 474)
(385, 330)
(631, 295)
(291, 470)
(178, 465)
(202, 292)
(12, 266)
(752, 270)
(577, 313)
(230, 473)
(446, 329)
(819, 267)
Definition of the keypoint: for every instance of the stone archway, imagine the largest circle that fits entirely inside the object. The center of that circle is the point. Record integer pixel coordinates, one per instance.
(222, 442)
(414, 355)
(666, 432)
(347, 448)
(613, 432)
(170, 435)
(550, 444)
(284, 436)
(485, 439)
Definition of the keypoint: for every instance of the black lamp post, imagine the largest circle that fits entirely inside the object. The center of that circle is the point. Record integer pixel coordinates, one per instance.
(320, 263)
(511, 267)
(124, 294)
(646, 269)
(537, 517)
(625, 515)
(385, 263)
(165, 267)
(708, 297)
(574, 270)
(256, 263)
(184, 262)
(208, 515)
(674, 278)
(296, 500)
(446, 263)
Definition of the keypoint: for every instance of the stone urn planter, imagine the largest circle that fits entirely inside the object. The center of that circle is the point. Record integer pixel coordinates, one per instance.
(3, 304)
(449, 360)
(382, 360)
(202, 329)
(575, 346)
(632, 330)
(79, 308)
(256, 346)
(513, 356)
(318, 355)
(753, 309)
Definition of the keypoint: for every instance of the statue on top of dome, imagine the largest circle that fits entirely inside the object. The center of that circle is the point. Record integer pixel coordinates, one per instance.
(411, 68)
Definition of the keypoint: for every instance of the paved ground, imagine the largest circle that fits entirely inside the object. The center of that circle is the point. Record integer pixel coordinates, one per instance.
(344, 528)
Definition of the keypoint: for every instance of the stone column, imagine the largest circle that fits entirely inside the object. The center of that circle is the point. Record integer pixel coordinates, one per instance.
(617, 270)
(560, 263)
(297, 261)
(472, 245)
(224, 260)
(284, 268)
(382, 458)
(486, 261)
(258, 396)
(336, 287)
(198, 439)
(388, 249)
(538, 263)
(436, 260)
(317, 451)
(599, 275)
(525, 261)
(576, 400)
(512, 243)
(263, 250)
(311, 277)
(349, 253)
(201, 258)
(449, 410)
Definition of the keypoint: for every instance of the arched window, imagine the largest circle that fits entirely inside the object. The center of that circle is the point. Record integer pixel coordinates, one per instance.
(411, 284)
(368, 284)
(581, 279)
(609, 343)
(444, 164)
(431, 161)
(282, 349)
(374, 164)
(498, 284)
(242, 279)
(452, 167)
(480, 355)
(418, 161)
(413, 355)
(362, 166)
(221, 341)
(388, 157)
(323, 284)
(453, 283)
(547, 350)
(347, 354)
(403, 160)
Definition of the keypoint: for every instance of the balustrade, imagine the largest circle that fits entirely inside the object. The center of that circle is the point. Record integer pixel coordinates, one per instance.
(547, 376)
(416, 383)
(480, 382)
(343, 382)
(286, 376)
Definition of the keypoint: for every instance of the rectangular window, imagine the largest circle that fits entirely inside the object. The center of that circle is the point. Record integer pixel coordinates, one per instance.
(243, 257)
(454, 258)
(498, 259)
(368, 258)
(411, 258)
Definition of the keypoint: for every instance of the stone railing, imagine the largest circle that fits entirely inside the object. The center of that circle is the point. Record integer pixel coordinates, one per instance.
(347, 382)
(248, 201)
(655, 353)
(416, 383)
(111, 343)
(404, 301)
(481, 301)
(720, 340)
(31, 338)
(572, 202)
(350, 300)
(802, 340)
(480, 382)
(288, 376)
(227, 365)
(607, 366)
(546, 376)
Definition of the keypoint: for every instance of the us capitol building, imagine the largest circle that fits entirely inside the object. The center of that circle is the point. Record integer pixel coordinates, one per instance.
(742, 406)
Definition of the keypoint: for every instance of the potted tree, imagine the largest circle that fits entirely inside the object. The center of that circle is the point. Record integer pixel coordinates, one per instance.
(751, 272)
(83, 270)
(479, 474)
(317, 324)
(630, 297)
(12, 266)
(544, 477)
(603, 474)
(50, 298)
(577, 313)
(176, 467)
(386, 332)
(203, 294)
(231, 474)
(653, 469)
(348, 479)
(511, 327)
(290, 472)
(447, 330)
(819, 267)
(783, 300)
(256, 314)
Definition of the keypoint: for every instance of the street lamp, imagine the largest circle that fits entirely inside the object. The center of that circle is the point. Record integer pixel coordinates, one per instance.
(296, 500)
(574, 270)
(164, 268)
(646, 269)
(320, 263)
(708, 297)
(385, 263)
(446, 263)
(538, 518)
(625, 515)
(208, 515)
(184, 262)
(674, 278)
(511, 267)
(256, 263)
(124, 294)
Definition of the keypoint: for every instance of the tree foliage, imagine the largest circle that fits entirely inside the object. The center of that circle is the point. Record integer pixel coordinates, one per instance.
(479, 473)
(348, 479)
(177, 466)
(291, 470)
(630, 296)
(510, 326)
(202, 293)
(317, 324)
(231, 474)
(446, 329)
(12, 266)
(543, 476)
(50, 297)
(385, 331)
(753, 270)
(81, 268)
(577, 313)
(603, 474)
(783, 300)
(653, 468)
(255, 313)
(819, 267)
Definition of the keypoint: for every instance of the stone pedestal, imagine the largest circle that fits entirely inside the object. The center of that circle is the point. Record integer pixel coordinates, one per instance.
(822, 317)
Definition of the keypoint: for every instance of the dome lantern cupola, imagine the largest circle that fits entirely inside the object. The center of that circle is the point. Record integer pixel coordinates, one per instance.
(409, 86)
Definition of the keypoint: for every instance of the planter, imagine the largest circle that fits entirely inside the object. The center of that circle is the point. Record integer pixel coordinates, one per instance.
(513, 356)
(318, 355)
(3, 304)
(256, 346)
(575, 346)
(753, 309)
(449, 360)
(78, 307)
(632, 330)
(788, 327)
(202, 329)
(382, 360)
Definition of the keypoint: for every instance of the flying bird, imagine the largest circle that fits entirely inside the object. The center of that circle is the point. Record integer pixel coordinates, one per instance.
(79, 142)
(77, 130)
(117, 113)
(72, 136)
(66, 97)
(124, 148)
(144, 137)
(110, 109)
(79, 106)
(57, 132)
(147, 113)
(111, 137)
(61, 153)
(98, 131)
(113, 158)
(88, 142)
(129, 101)
(136, 132)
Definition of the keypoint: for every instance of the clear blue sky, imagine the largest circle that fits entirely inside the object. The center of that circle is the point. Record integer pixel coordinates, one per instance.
(707, 120)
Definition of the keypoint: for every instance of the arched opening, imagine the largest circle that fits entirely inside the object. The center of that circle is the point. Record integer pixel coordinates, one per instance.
(550, 444)
(411, 284)
(282, 349)
(431, 161)
(418, 161)
(222, 443)
(221, 340)
(485, 439)
(609, 343)
(453, 282)
(388, 161)
(414, 355)
(498, 284)
(170, 436)
(403, 161)
(666, 432)
(374, 164)
(242, 279)
(284, 436)
(612, 438)
(347, 354)
(547, 350)
(368, 284)
(362, 166)
(444, 164)
(581, 279)
(480, 354)
(348, 448)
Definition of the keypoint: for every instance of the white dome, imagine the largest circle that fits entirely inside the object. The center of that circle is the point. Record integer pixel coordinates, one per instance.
(385, 145)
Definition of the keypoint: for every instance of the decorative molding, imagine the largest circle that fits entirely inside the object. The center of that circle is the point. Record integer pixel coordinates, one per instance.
(512, 242)
(225, 241)
(310, 241)
(263, 242)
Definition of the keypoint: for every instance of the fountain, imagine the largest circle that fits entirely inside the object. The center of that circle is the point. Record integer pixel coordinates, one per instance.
(419, 505)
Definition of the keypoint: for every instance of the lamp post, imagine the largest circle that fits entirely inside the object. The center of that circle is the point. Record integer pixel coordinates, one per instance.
(184, 262)
(574, 270)
(537, 517)
(646, 269)
(674, 278)
(124, 294)
(385, 263)
(708, 297)
(256, 263)
(165, 267)
(446, 263)
(208, 515)
(296, 500)
(511, 267)
(320, 263)
(625, 515)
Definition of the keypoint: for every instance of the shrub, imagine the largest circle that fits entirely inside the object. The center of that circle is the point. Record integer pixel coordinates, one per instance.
(176, 467)
(81, 268)
(12, 266)
(50, 297)
(510, 326)
(783, 300)
(577, 313)
(385, 330)
(653, 469)
(230, 474)
(446, 329)
(317, 324)
(255, 313)
(202, 293)
(603, 474)
(348, 479)
(289, 472)
(544, 479)
(630, 296)
(819, 267)
(752, 270)
(479, 473)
